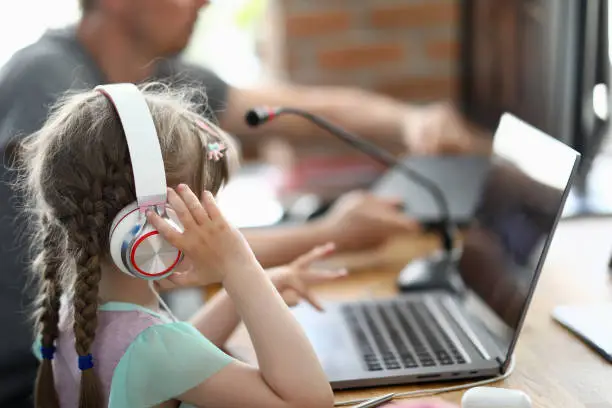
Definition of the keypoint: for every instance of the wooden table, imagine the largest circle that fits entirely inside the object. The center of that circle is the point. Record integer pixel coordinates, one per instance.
(552, 366)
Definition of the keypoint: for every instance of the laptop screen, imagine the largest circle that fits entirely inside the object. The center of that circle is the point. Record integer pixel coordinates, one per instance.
(520, 203)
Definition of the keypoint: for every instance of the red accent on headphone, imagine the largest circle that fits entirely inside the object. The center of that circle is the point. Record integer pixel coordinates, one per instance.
(133, 256)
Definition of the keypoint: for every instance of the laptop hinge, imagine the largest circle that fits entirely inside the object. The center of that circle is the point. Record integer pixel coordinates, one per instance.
(500, 362)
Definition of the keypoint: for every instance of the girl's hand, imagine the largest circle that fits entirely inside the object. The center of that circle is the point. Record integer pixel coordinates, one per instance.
(186, 279)
(214, 247)
(293, 281)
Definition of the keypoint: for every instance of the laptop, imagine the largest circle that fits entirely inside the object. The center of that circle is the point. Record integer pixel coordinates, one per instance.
(460, 177)
(442, 335)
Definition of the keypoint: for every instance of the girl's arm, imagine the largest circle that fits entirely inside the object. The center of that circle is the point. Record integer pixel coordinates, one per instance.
(218, 318)
(289, 373)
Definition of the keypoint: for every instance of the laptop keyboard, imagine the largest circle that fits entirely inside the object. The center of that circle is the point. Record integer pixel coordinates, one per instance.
(400, 334)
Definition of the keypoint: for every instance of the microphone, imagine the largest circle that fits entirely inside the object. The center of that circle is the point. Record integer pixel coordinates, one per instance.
(424, 273)
(261, 115)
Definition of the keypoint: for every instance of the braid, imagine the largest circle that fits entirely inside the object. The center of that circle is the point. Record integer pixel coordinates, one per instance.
(86, 219)
(88, 248)
(47, 265)
(85, 323)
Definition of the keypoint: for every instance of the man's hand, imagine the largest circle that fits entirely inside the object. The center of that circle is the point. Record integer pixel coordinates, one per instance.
(360, 220)
(437, 129)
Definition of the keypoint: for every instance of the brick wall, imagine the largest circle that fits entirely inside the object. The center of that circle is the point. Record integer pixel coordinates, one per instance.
(403, 48)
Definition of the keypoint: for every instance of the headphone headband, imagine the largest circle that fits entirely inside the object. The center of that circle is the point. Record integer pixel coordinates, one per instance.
(142, 141)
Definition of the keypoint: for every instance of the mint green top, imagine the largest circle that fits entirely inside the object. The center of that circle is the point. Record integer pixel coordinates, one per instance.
(161, 363)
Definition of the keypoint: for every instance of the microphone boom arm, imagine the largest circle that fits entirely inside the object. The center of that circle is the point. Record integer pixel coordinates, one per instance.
(257, 117)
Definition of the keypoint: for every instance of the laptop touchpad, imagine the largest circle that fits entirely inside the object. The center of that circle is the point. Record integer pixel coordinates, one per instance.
(331, 340)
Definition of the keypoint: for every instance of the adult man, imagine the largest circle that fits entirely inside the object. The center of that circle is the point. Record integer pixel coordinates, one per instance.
(137, 40)
(132, 41)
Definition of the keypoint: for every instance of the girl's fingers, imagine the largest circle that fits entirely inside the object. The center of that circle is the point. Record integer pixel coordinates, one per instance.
(203, 201)
(314, 276)
(315, 254)
(193, 204)
(312, 300)
(179, 207)
(183, 278)
(291, 297)
(171, 235)
(211, 207)
(164, 285)
(303, 291)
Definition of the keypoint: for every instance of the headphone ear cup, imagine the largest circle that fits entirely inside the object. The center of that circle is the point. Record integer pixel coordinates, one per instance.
(138, 249)
(174, 219)
(126, 222)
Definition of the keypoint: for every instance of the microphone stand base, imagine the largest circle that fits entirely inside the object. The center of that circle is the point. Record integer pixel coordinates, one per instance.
(434, 272)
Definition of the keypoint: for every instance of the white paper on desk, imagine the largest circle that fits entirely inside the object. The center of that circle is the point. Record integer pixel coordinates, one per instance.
(591, 322)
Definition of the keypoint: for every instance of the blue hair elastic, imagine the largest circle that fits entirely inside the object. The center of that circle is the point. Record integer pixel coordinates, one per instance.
(47, 352)
(86, 362)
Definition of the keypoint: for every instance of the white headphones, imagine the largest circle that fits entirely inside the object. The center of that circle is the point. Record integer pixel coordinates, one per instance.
(136, 247)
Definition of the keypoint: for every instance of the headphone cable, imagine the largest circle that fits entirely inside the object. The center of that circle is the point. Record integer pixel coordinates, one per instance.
(161, 301)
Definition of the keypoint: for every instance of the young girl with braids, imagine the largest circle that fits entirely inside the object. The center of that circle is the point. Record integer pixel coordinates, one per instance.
(102, 340)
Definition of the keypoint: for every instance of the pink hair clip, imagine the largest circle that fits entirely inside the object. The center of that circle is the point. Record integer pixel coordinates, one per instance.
(215, 151)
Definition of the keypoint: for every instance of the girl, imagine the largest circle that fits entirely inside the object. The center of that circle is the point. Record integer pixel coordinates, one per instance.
(102, 340)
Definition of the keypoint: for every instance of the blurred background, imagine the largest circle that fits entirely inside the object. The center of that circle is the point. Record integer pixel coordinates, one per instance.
(541, 60)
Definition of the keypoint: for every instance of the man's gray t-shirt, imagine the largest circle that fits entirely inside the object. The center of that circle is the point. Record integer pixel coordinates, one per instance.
(37, 75)
(30, 83)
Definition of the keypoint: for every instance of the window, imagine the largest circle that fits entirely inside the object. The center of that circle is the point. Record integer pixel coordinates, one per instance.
(22, 22)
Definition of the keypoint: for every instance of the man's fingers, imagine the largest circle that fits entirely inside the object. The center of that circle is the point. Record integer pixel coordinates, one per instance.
(391, 201)
(397, 203)
(315, 254)
(398, 221)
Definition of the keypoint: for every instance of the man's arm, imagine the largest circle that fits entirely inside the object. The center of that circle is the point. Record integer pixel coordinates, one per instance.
(278, 246)
(421, 129)
(365, 113)
(356, 221)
